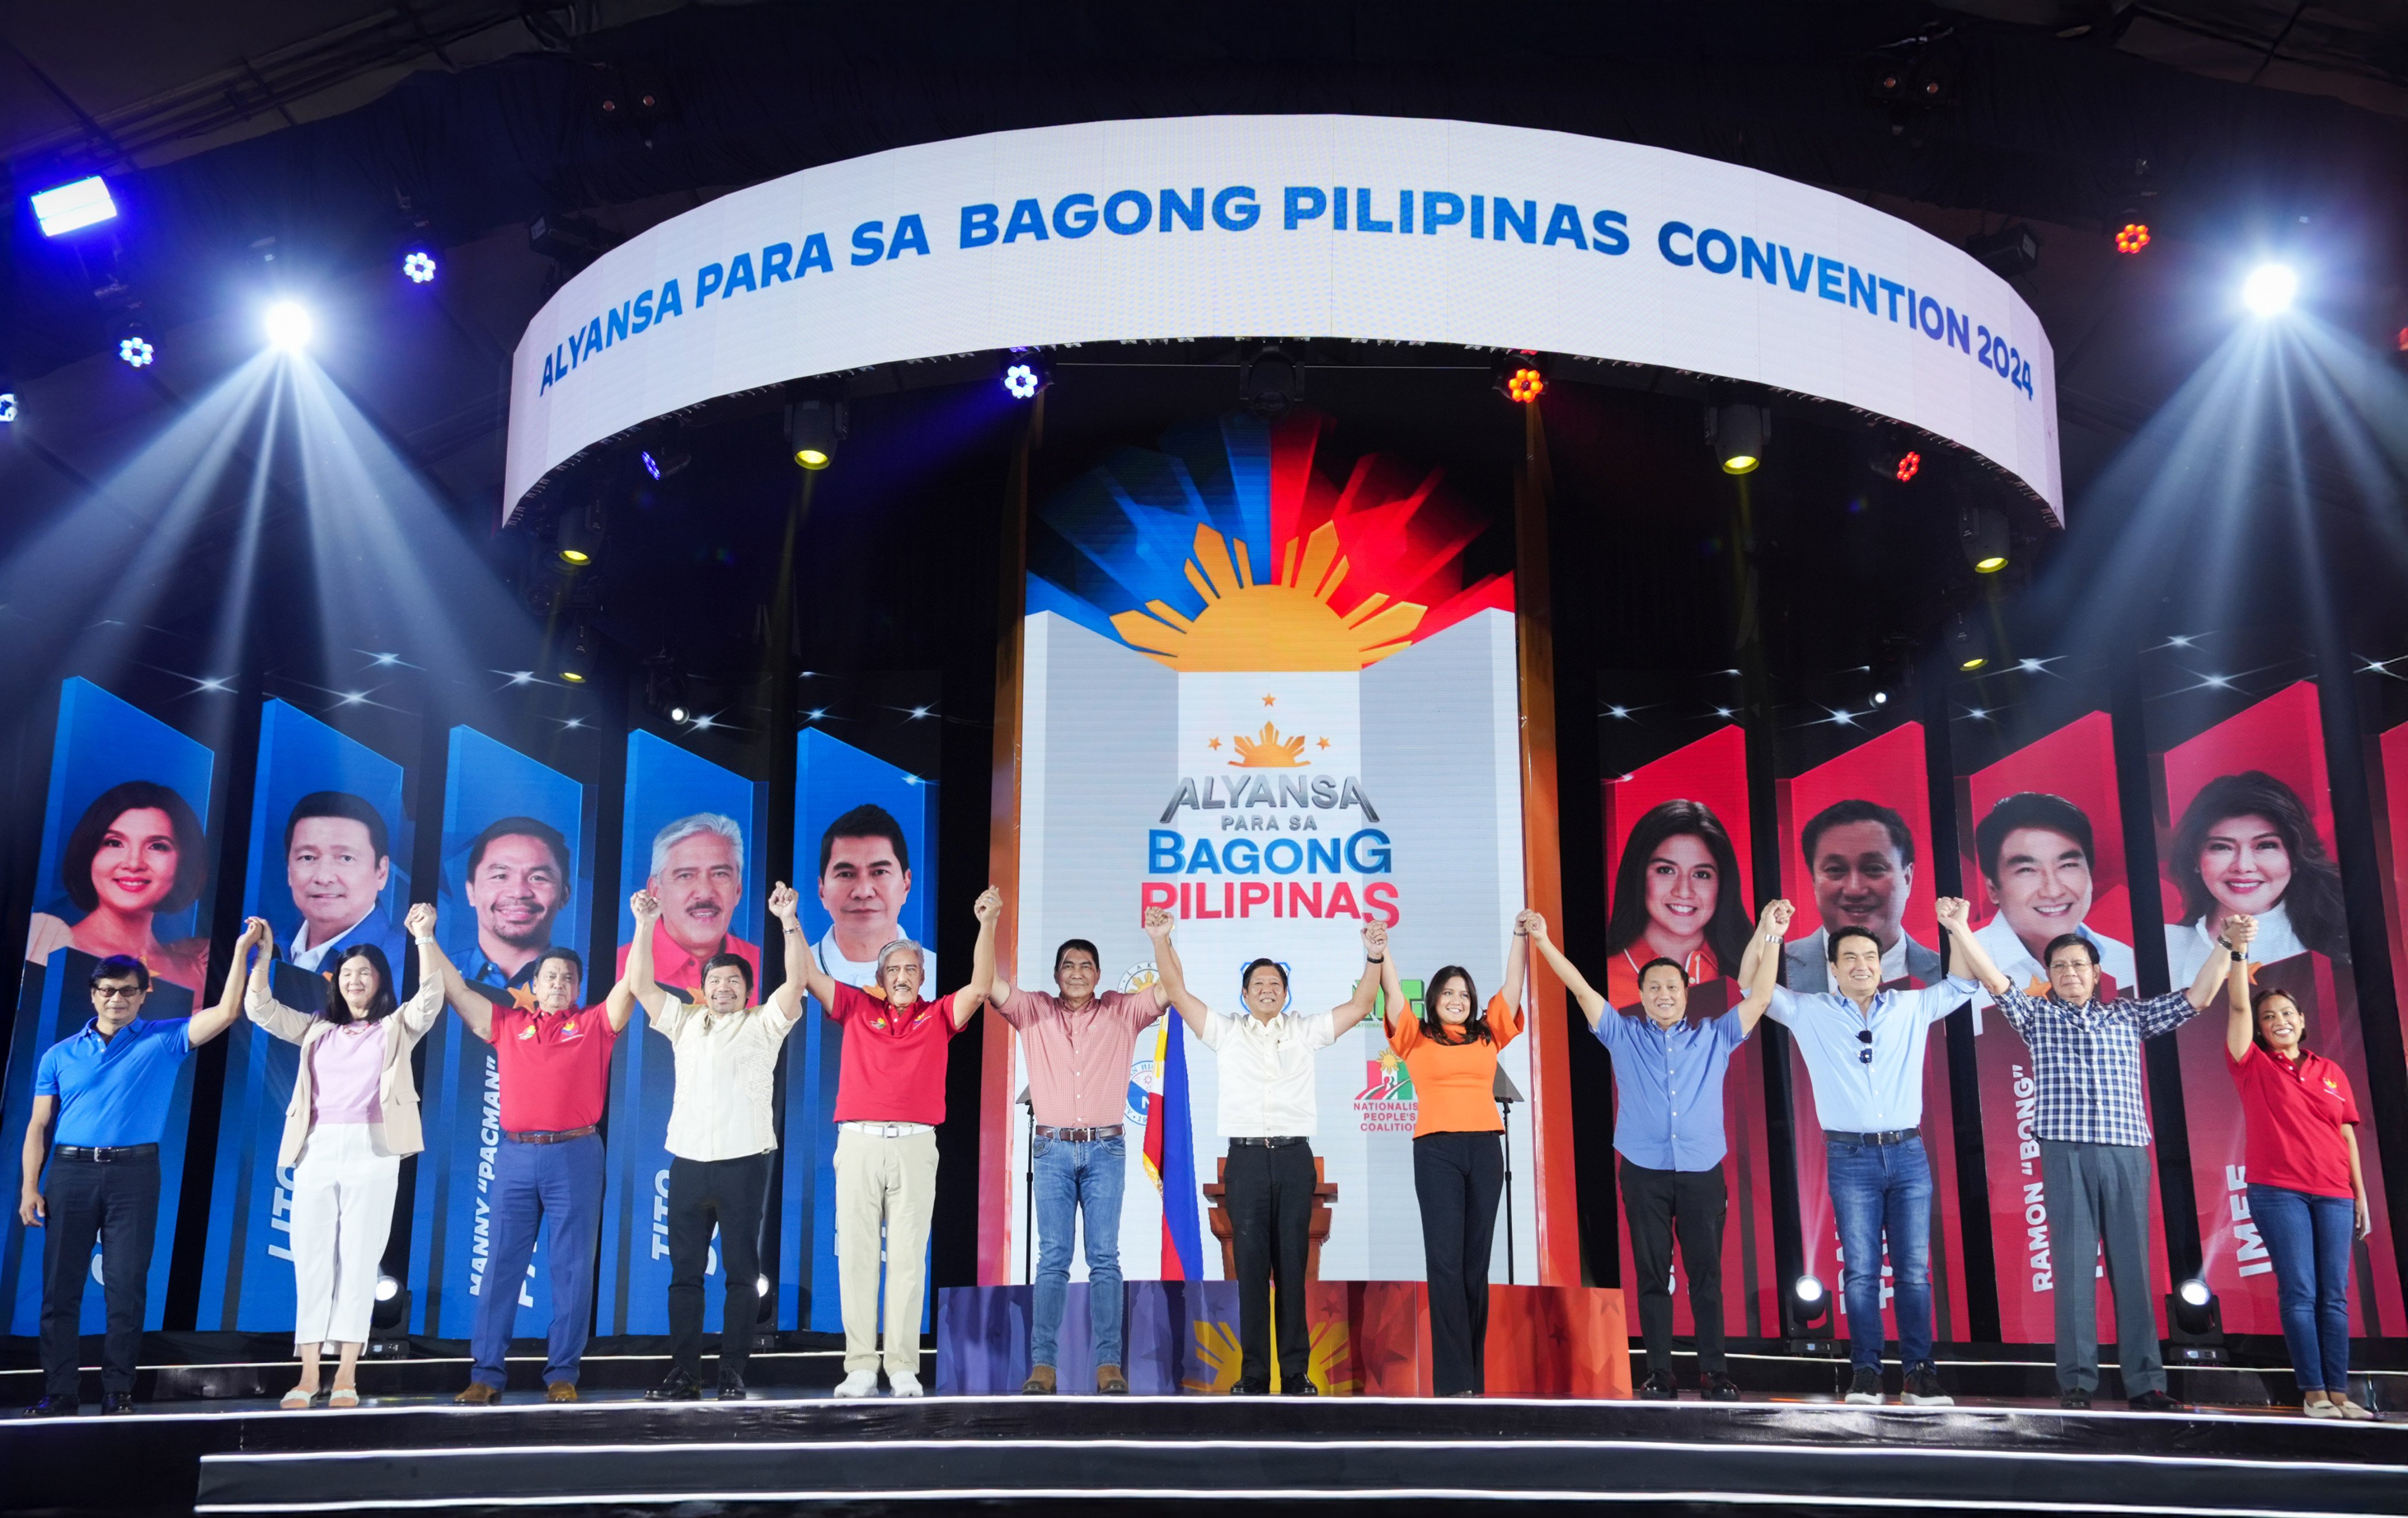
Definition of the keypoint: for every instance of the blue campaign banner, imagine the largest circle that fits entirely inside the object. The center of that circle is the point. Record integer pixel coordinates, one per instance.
(517, 878)
(116, 773)
(689, 831)
(868, 886)
(330, 846)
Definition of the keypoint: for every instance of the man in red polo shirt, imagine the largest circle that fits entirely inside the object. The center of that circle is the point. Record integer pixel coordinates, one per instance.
(553, 1062)
(890, 1096)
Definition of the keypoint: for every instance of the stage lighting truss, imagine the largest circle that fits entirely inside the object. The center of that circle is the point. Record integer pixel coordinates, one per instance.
(2133, 237)
(418, 267)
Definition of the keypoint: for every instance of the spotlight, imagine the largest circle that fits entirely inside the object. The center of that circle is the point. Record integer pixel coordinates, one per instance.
(1737, 433)
(578, 536)
(1270, 382)
(136, 351)
(71, 207)
(1881, 698)
(2133, 237)
(665, 691)
(1969, 646)
(1025, 375)
(417, 266)
(813, 428)
(1805, 1317)
(2270, 289)
(1520, 377)
(1809, 1290)
(1982, 533)
(387, 1288)
(8, 407)
(2007, 252)
(1910, 464)
(662, 462)
(577, 659)
(388, 1321)
(289, 325)
(2195, 1323)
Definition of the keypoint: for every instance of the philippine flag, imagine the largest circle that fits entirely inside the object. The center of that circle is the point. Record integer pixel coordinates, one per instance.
(1171, 1153)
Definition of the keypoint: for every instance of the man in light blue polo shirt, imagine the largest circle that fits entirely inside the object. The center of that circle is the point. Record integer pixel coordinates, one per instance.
(1667, 1083)
(110, 1086)
(1863, 1048)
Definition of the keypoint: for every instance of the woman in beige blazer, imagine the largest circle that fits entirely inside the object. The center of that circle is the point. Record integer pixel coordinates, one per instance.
(354, 1114)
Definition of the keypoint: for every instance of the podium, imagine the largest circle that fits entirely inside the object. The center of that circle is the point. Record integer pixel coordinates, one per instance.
(1325, 1195)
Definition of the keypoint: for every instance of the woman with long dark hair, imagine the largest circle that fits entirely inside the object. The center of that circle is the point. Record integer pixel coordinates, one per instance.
(1676, 896)
(2245, 845)
(353, 1115)
(2307, 1190)
(1450, 1046)
(136, 855)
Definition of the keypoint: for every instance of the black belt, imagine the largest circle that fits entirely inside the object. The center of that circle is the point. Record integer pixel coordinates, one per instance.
(106, 1156)
(1895, 1136)
(1078, 1136)
(562, 1137)
(1281, 1142)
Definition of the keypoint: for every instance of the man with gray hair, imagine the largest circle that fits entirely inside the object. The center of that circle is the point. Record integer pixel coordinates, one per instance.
(698, 875)
(890, 1096)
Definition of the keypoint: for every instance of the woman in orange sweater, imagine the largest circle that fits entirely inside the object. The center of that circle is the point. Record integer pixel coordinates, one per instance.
(1450, 1044)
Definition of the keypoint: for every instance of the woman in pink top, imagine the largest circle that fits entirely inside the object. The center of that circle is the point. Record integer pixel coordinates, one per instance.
(353, 1115)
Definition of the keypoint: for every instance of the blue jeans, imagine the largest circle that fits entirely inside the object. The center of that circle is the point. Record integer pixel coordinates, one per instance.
(535, 1183)
(1881, 1190)
(1073, 1178)
(2310, 1238)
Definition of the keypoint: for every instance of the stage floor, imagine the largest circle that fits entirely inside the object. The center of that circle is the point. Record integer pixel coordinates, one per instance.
(614, 1452)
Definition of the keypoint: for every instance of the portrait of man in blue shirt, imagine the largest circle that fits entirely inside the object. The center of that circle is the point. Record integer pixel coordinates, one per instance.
(1668, 1086)
(108, 1084)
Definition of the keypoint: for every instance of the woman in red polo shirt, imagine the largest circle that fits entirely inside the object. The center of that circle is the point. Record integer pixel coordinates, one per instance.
(2306, 1189)
(1450, 1050)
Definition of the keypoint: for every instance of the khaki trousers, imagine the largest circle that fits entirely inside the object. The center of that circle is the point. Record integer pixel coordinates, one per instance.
(887, 1183)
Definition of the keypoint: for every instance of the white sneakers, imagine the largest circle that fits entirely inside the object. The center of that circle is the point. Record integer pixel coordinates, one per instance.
(903, 1383)
(858, 1383)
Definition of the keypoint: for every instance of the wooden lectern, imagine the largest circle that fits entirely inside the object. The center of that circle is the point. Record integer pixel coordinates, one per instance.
(1324, 1195)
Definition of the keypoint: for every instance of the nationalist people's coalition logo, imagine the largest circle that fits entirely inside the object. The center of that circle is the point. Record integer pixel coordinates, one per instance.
(1386, 1103)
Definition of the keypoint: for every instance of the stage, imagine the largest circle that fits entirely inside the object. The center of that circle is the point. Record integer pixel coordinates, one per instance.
(1789, 1450)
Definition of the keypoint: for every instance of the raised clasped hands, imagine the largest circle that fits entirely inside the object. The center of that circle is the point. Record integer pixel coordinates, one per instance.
(2239, 930)
(1158, 923)
(1375, 940)
(1531, 923)
(420, 921)
(1774, 920)
(784, 901)
(989, 906)
(1951, 912)
(647, 908)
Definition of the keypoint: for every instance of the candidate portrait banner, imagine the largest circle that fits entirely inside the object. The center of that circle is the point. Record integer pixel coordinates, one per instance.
(126, 852)
(2041, 833)
(1688, 812)
(863, 831)
(516, 879)
(1869, 812)
(329, 868)
(691, 835)
(2248, 827)
(1282, 711)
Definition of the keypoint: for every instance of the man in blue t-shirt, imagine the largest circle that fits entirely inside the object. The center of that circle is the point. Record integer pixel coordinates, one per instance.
(109, 1086)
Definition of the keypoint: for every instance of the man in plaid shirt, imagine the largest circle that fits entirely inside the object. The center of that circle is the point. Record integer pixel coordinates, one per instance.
(2094, 1146)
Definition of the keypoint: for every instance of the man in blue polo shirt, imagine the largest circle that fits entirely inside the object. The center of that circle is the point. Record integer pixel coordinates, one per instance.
(109, 1086)
(1863, 1048)
(1667, 1086)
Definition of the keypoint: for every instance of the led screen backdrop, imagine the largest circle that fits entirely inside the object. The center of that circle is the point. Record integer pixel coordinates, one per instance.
(1700, 789)
(1872, 869)
(329, 848)
(1279, 706)
(126, 860)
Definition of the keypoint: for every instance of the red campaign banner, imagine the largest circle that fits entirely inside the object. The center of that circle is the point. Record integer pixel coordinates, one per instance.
(2274, 860)
(2394, 750)
(1887, 771)
(1712, 774)
(2038, 882)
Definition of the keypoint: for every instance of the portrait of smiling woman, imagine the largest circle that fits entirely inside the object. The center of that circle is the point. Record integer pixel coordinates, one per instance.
(137, 853)
(1670, 901)
(2246, 845)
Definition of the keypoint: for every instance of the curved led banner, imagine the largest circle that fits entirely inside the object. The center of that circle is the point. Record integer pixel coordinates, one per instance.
(1358, 227)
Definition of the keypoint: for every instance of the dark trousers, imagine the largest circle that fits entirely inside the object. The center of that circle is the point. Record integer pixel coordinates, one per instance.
(116, 1201)
(558, 1185)
(1691, 1203)
(1458, 1178)
(1268, 1192)
(731, 1193)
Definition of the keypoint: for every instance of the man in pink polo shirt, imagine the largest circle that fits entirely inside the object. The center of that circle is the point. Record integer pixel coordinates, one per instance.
(554, 1064)
(1078, 1046)
(890, 1096)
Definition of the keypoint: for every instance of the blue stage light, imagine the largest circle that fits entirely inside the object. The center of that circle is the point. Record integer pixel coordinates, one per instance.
(419, 264)
(652, 465)
(1022, 381)
(289, 325)
(8, 407)
(71, 207)
(137, 352)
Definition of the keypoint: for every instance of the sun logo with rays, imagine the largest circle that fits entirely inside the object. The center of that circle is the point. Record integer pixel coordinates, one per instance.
(1268, 751)
(1284, 623)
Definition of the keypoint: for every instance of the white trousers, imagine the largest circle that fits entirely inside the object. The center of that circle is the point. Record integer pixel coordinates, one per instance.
(342, 1213)
(887, 1183)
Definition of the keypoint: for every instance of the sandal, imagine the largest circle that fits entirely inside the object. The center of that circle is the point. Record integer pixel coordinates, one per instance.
(343, 1396)
(297, 1399)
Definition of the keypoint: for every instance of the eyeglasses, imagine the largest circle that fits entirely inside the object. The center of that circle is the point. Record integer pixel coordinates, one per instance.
(1865, 1037)
(116, 993)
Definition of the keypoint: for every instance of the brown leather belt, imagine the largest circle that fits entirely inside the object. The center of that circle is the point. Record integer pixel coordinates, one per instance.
(562, 1137)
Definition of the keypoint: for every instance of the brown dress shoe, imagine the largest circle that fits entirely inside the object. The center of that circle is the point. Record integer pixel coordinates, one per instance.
(1039, 1381)
(1110, 1381)
(478, 1394)
(561, 1391)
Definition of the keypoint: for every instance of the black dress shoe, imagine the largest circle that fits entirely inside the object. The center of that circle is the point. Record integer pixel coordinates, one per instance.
(731, 1386)
(1251, 1388)
(2157, 1402)
(117, 1402)
(1719, 1387)
(1660, 1387)
(1300, 1386)
(679, 1385)
(54, 1405)
(2076, 1399)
